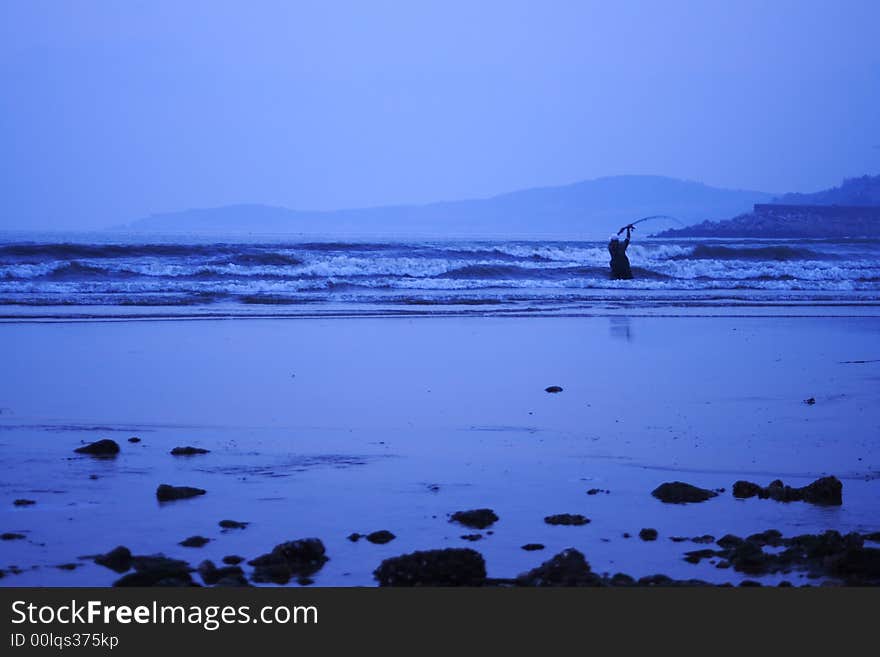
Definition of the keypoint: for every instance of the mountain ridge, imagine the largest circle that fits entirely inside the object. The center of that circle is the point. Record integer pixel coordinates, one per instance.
(595, 207)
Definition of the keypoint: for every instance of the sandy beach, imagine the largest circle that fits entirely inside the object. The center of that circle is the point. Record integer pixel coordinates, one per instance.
(325, 427)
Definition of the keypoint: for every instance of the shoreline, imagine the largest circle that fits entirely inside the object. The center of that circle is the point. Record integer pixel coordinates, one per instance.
(318, 429)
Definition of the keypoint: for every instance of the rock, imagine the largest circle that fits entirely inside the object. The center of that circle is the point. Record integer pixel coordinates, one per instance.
(134, 439)
(771, 537)
(68, 566)
(449, 567)
(596, 491)
(856, 565)
(695, 556)
(354, 537)
(531, 547)
(553, 389)
(105, 447)
(195, 542)
(825, 491)
(381, 537)
(188, 451)
(568, 568)
(166, 493)
(232, 581)
(729, 541)
(648, 534)
(211, 574)
(302, 558)
(93, 477)
(678, 492)
(305, 581)
(810, 401)
(157, 570)
(118, 559)
(475, 518)
(621, 579)
(705, 539)
(11, 536)
(471, 537)
(232, 524)
(23, 502)
(233, 559)
(745, 489)
(566, 519)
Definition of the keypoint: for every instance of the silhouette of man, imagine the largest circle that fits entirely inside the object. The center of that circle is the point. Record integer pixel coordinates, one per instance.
(619, 262)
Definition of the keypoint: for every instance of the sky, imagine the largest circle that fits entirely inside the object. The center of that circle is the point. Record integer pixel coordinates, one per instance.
(114, 110)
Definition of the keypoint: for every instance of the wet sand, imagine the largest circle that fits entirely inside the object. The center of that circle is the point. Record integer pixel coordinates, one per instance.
(324, 427)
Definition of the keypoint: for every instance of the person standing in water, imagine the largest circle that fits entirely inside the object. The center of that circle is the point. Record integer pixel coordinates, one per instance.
(619, 262)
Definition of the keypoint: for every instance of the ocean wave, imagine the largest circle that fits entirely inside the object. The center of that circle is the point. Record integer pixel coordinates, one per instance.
(716, 252)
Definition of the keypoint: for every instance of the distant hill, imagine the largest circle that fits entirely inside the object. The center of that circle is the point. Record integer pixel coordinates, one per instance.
(853, 191)
(850, 210)
(592, 208)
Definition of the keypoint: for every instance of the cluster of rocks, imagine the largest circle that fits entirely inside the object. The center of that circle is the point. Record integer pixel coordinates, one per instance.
(826, 491)
(378, 537)
(830, 554)
(300, 558)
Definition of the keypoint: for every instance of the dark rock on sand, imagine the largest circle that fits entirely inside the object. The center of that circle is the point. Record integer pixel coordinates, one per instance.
(745, 489)
(157, 570)
(705, 539)
(810, 401)
(476, 518)
(233, 559)
(302, 558)
(211, 574)
(118, 559)
(449, 567)
(825, 491)
(381, 537)
(729, 541)
(553, 389)
(232, 524)
(567, 519)
(68, 566)
(23, 502)
(11, 536)
(233, 581)
(471, 537)
(195, 542)
(695, 556)
(678, 492)
(648, 534)
(568, 568)
(134, 439)
(596, 491)
(105, 447)
(188, 451)
(354, 537)
(531, 547)
(166, 493)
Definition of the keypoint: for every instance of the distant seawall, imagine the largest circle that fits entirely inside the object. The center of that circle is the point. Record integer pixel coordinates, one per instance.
(785, 220)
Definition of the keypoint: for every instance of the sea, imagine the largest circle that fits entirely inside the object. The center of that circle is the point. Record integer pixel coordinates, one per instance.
(113, 275)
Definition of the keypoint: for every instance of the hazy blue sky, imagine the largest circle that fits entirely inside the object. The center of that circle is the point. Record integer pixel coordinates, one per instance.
(114, 110)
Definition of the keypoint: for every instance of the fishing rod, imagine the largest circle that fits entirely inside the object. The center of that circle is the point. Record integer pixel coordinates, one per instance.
(632, 226)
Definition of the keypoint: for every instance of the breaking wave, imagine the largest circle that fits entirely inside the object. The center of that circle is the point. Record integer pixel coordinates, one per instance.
(426, 273)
